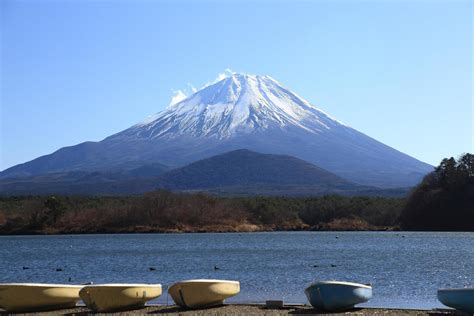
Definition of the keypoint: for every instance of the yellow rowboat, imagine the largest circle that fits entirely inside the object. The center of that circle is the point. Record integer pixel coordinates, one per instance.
(203, 293)
(37, 297)
(114, 297)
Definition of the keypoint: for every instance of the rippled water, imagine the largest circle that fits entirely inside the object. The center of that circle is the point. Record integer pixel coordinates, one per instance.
(405, 268)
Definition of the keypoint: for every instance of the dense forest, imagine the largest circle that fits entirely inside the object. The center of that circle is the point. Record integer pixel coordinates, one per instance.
(444, 201)
(163, 211)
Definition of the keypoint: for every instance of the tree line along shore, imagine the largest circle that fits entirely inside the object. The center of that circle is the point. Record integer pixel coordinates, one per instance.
(444, 201)
(164, 211)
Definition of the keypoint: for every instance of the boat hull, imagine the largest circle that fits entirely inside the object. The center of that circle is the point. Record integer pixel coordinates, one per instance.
(333, 295)
(115, 297)
(460, 299)
(19, 297)
(203, 293)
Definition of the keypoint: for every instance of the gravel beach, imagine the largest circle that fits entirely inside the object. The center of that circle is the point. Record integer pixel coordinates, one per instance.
(248, 309)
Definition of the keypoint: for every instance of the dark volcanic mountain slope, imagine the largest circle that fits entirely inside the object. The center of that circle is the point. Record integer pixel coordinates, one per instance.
(240, 172)
(247, 168)
(133, 181)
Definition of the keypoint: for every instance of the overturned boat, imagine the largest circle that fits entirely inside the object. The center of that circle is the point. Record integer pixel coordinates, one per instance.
(19, 297)
(335, 295)
(115, 297)
(203, 293)
(460, 299)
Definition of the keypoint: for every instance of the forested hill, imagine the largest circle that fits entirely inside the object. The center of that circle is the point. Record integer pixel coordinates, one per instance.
(444, 201)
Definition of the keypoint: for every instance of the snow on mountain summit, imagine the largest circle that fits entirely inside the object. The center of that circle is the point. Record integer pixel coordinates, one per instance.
(239, 103)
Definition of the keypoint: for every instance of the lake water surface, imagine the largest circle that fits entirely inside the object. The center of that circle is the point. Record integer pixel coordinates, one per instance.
(405, 269)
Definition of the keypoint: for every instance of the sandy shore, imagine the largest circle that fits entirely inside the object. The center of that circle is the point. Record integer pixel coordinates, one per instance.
(248, 309)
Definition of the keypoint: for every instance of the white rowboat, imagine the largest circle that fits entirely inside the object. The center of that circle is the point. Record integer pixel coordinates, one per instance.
(115, 297)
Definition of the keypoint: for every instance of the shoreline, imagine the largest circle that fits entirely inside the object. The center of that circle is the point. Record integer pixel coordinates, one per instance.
(207, 230)
(244, 228)
(190, 232)
(183, 232)
(247, 309)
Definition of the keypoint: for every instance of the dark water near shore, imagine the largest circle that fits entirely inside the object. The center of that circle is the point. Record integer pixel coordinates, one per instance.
(405, 271)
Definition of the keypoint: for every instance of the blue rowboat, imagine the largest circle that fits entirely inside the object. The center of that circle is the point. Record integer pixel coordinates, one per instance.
(335, 295)
(460, 299)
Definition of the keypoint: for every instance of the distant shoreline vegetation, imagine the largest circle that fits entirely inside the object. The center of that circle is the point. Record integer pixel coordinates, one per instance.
(444, 201)
(167, 212)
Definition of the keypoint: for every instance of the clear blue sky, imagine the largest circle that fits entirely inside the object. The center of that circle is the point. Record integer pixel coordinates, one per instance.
(74, 71)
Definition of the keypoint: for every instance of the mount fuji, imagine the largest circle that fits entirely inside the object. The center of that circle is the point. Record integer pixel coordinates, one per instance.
(238, 112)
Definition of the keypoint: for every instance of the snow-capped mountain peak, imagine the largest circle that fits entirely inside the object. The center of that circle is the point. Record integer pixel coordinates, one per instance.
(239, 111)
(239, 103)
